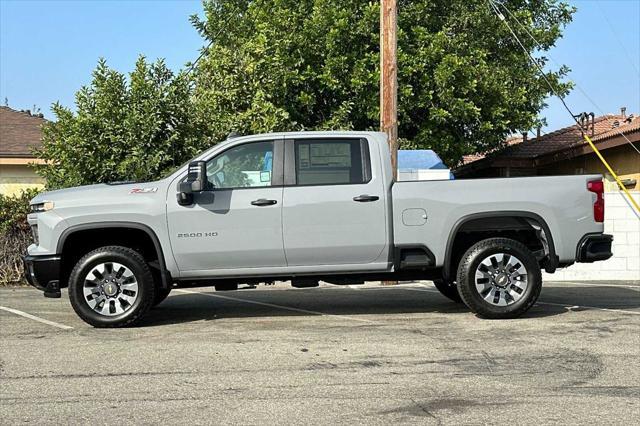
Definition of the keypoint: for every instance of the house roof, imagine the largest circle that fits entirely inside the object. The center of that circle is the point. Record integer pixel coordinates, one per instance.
(558, 144)
(20, 133)
(511, 140)
(570, 137)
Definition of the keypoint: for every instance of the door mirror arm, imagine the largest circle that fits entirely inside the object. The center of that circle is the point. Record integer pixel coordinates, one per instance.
(184, 199)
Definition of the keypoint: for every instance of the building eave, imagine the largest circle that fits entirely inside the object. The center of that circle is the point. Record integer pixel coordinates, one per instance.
(19, 161)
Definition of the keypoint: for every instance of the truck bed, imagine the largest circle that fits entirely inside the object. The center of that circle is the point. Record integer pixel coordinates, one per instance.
(429, 212)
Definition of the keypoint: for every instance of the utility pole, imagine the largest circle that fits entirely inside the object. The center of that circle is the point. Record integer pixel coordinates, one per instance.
(389, 78)
(389, 83)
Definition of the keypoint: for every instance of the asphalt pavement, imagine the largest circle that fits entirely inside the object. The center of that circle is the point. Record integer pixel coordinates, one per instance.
(336, 354)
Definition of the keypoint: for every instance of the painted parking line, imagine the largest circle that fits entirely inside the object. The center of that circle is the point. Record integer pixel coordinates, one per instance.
(35, 318)
(635, 287)
(572, 307)
(428, 290)
(564, 305)
(271, 305)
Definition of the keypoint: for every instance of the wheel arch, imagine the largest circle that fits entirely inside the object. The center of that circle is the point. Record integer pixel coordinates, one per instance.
(76, 231)
(551, 261)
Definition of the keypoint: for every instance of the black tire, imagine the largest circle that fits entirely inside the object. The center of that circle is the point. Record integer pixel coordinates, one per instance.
(470, 263)
(160, 294)
(104, 255)
(448, 289)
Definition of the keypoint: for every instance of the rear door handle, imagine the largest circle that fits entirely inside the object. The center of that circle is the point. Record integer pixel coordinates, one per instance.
(263, 202)
(366, 198)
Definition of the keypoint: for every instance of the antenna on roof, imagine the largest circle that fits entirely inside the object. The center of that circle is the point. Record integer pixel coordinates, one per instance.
(233, 134)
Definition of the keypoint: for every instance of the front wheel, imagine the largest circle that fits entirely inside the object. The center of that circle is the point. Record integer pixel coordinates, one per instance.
(499, 278)
(111, 287)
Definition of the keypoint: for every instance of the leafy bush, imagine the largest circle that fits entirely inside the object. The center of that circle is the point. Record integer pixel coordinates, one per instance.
(124, 128)
(15, 235)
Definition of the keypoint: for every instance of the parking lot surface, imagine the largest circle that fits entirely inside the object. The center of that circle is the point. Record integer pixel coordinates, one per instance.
(336, 354)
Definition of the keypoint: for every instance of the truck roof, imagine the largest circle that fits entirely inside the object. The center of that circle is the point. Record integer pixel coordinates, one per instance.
(306, 133)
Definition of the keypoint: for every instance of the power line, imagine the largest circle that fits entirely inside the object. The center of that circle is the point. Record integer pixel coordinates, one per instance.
(204, 50)
(584, 134)
(539, 46)
(615, 34)
(194, 63)
(535, 62)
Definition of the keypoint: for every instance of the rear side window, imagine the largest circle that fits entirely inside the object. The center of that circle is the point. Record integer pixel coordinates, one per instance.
(331, 161)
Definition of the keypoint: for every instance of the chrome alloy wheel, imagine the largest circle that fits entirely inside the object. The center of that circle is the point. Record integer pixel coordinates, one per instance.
(110, 288)
(501, 279)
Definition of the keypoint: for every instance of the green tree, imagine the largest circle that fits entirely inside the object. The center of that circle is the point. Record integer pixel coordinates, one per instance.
(464, 83)
(134, 128)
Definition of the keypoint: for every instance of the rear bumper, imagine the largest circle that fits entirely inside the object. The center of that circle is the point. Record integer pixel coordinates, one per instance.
(594, 247)
(43, 272)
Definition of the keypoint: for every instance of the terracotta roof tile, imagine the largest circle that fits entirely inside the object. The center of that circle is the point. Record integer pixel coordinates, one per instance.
(570, 137)
(605, 126)
(20, 132)
(511, 140)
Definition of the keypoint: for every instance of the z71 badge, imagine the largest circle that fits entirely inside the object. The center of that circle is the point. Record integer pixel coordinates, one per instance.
(143, 190)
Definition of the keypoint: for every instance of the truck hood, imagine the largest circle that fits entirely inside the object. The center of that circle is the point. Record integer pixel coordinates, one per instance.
(103, 191)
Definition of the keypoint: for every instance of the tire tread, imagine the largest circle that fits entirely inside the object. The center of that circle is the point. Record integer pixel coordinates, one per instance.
(145, 304)
(465, 289)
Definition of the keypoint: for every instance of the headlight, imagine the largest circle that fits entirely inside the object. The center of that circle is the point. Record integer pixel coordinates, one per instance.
(42, 207)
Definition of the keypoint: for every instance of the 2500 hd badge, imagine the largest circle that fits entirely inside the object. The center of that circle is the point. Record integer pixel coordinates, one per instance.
(197, 234)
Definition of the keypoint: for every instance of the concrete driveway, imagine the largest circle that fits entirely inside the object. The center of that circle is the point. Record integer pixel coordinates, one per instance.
(351, 354)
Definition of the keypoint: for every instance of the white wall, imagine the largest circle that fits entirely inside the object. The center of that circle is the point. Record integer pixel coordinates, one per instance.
(424, 174)
(623, 223)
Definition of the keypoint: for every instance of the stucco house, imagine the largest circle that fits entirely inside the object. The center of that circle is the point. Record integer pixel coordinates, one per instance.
(20, 133)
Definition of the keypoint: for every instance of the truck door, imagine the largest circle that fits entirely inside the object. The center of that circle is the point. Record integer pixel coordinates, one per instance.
(237, 223)
(333, 203)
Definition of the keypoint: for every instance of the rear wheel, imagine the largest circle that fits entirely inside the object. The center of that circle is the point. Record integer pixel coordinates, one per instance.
(111, 287)
(499, 278)
(448, 289)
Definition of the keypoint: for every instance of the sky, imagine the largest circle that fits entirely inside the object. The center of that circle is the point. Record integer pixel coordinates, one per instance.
(49, 48)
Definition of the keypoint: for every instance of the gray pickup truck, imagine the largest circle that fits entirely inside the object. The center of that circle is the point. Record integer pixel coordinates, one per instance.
(305, 207)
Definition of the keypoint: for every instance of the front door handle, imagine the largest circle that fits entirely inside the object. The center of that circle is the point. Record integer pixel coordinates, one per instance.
(263, 202)
(366, 198)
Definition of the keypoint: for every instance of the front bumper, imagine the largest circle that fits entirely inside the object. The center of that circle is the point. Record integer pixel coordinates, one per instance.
(594, 247)
(43, 272)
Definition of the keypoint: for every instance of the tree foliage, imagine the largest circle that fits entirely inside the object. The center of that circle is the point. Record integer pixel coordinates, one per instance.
(464, 83)
(133, 128)
(277, 65)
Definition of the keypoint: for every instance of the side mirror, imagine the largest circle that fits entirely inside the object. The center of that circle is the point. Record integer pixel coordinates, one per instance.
(196, 178)
(196, 182)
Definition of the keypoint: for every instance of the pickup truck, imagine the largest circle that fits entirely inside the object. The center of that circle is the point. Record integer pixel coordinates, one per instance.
(308, 207)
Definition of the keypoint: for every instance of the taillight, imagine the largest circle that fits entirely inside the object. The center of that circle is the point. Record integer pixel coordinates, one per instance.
(597, 187)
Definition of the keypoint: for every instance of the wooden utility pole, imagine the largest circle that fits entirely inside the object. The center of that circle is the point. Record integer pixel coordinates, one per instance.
(389, 83)
(389, 78)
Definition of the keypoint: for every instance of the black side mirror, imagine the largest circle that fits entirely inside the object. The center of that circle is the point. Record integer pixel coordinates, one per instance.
(196, 179)
(196, 182)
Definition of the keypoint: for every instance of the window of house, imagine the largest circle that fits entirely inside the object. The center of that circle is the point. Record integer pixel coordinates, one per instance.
(331, 162)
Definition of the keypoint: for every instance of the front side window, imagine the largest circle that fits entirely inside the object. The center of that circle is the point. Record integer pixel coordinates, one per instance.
(244, 166)
(330, 162)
